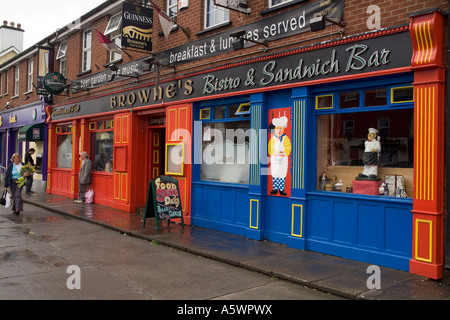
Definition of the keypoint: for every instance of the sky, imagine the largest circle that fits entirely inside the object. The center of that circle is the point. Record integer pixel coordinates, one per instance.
(40, 18)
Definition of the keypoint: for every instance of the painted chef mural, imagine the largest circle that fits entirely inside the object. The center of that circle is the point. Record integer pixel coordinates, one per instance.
(279, 149)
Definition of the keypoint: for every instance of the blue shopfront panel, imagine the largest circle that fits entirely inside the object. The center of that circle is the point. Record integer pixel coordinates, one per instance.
(221, 207)
(360, 228)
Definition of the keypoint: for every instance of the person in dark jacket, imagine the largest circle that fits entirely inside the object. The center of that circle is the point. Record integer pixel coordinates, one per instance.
(11, 177)
(84, 176)
(29, 160)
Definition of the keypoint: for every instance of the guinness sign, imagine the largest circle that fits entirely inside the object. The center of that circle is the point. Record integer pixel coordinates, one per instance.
(137, 27)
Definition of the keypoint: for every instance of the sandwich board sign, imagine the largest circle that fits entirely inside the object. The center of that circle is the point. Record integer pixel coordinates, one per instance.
(163, 200)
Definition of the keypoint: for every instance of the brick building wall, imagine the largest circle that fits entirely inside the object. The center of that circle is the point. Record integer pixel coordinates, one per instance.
(391, 13)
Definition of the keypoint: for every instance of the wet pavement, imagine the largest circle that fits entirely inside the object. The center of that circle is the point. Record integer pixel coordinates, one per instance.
(343, 277)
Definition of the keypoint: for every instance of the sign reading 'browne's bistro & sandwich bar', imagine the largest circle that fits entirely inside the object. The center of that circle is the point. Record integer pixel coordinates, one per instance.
(350, 58)
(137, 27)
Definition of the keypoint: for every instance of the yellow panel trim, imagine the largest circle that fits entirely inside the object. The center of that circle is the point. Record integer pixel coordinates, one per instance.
(170, 126)
(155, 172)
(184, 200)
(92, 125)
(117, 186)
(395, 88)
(416, 244)
(326, 95)
(125, 120)
(156, 139)
(155, 157)
(186, 124)
(123, 177)
(72, 185)
(182, 159)
(300, 235)
(257, 214)
(204, 117)
(117, 135)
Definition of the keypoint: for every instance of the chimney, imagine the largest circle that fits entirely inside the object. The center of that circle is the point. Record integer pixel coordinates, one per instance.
(11, 36)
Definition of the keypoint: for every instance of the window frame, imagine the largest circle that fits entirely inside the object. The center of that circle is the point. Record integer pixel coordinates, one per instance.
(7, 83)
(30, 66)
(63, 130)
(227, 119)
(62, 57)
(214, 9)
(170, 6)
(271, 5)
(93, 127)
(86, 58)
(388, 107)
(16, 81)
(114, 24)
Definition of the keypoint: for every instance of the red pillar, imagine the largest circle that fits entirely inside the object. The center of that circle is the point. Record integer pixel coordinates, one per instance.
(427, 35)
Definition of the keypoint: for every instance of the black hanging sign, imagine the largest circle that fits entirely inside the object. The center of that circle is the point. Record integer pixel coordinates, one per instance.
(137, 27)
(54, 82)
(163, 200)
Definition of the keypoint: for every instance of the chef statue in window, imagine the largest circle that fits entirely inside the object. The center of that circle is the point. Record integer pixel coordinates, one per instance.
(279, 151)
(372, 149)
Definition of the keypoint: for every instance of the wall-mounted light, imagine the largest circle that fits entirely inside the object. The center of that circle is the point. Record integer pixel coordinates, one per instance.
(8, 105)
(152, 61)
(318, 23)
(239, 42)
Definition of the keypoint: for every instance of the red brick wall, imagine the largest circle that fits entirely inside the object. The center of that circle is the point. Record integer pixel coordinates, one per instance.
(392, 13)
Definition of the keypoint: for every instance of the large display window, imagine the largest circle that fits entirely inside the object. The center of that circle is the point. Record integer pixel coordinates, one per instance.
(366, 138)
(225, 144)
(64, 146)
(102, 139)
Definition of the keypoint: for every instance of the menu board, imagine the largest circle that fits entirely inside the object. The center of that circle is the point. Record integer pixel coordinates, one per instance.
(163, 200)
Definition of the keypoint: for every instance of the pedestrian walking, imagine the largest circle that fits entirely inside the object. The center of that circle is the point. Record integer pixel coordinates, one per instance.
(30, 161)
(84, 176)
(11, 178)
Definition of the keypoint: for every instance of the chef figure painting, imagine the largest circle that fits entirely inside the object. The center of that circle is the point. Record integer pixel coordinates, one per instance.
(372, 149)
(279, 150)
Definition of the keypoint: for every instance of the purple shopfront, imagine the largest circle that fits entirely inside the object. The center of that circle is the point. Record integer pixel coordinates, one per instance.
(22, 128)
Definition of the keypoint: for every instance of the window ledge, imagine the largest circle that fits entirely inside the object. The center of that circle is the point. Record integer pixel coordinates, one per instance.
(218, 26)
(83, 73)
(281, 6)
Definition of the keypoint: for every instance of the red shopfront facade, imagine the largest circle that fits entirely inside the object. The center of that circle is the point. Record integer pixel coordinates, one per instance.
(147, 131)
(127, 150)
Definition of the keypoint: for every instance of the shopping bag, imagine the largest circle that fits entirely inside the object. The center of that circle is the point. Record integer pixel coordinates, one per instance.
(8, 202)
(89, 196)
(3, 198)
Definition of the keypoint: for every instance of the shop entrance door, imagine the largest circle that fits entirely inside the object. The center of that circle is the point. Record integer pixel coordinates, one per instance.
(155, 152)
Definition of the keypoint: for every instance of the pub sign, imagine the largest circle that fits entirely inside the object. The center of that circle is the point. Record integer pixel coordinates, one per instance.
(137, 27)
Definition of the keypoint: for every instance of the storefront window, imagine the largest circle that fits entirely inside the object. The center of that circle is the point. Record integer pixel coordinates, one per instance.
(340, 148)
(64, 147)
(102, 145)
(375, 97)
(225, 147)
(349, 99)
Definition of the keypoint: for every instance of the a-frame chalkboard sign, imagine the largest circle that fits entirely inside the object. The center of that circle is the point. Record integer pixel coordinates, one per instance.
(163, 200)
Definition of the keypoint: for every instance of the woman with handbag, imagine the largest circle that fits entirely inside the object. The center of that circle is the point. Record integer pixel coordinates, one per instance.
(11, 178)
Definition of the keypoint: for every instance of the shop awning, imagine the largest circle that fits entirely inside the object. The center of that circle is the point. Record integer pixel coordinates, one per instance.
(33, 132)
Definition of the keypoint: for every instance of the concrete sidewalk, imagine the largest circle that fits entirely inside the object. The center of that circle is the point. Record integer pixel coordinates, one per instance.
(332, 274)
